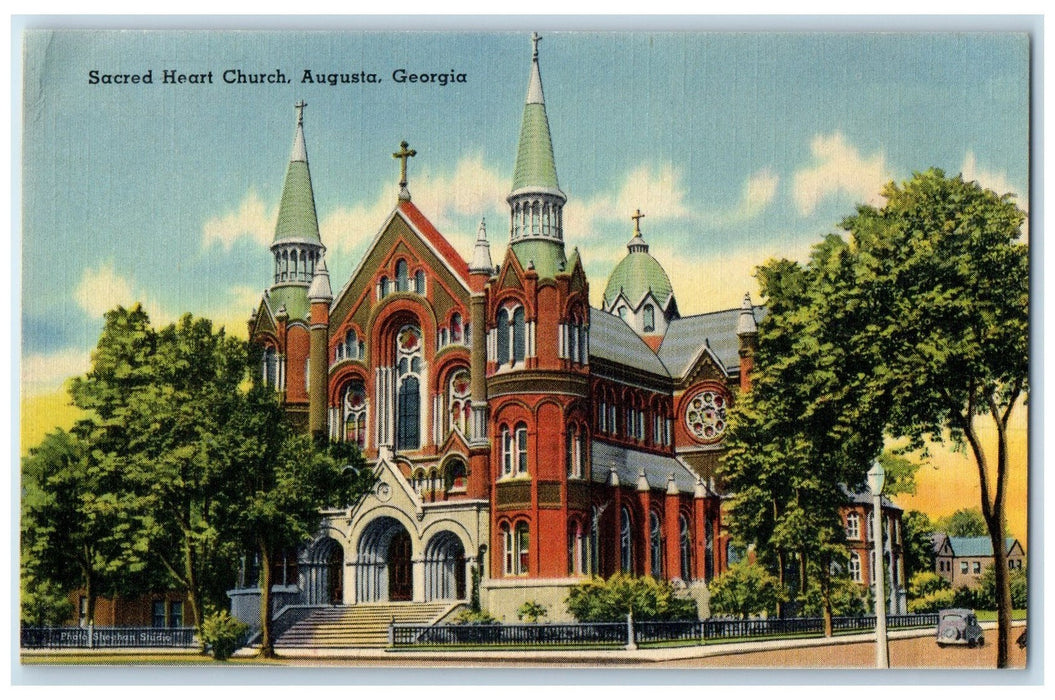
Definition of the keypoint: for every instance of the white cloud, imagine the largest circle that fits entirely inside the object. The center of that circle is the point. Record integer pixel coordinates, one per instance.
(102, 289)
(46, 373)
(253, 219)
(991, 180)
(838, 167)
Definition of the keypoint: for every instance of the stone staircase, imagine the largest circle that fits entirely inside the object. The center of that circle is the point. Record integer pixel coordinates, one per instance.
(364, 625)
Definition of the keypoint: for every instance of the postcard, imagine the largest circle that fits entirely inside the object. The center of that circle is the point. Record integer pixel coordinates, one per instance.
(584, 349)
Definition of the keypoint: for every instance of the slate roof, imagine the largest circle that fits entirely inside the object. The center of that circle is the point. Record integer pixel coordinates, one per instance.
(296, 214)
(686, 336)
(865, 498)
(535, 166)
(975, 546)
(629, 463)
(611, 339)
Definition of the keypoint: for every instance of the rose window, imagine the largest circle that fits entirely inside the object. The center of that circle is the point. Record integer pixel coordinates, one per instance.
(705, 416)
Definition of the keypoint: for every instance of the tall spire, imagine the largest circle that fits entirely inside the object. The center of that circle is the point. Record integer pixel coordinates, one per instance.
(536, 203)
(296, 215)
(482, 252)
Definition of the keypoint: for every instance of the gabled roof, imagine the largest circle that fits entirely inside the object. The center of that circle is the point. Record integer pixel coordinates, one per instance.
(611, 339)
(976, 546)
(432, 238)
(686, 337)
(630, 463)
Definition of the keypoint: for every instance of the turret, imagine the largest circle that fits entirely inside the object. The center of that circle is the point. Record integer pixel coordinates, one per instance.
(536, 202)
(319, 296)
(747, 334)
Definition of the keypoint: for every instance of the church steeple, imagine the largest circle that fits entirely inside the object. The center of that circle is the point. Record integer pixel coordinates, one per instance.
(536, 201)
(297, 247)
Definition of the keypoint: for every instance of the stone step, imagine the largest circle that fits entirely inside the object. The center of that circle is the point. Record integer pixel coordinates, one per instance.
(363, 625)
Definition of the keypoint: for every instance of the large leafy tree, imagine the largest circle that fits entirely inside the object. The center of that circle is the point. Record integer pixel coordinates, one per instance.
(918, 537)
(941, 282)
(966, 522)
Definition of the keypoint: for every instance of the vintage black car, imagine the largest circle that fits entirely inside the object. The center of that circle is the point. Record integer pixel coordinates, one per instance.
(959, 626)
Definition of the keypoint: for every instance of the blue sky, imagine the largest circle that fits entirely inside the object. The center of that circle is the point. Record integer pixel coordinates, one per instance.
(737, 147)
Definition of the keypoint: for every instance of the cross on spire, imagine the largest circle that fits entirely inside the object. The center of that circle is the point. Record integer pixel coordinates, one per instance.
(299, 106)
(637, 222)
(403, 154)
(535, 39)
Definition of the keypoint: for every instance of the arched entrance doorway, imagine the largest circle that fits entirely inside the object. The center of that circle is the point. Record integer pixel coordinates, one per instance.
(324, 584)
(445, 567)
(384, 569)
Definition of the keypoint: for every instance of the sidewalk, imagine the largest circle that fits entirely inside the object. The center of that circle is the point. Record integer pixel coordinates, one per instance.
(594, 656)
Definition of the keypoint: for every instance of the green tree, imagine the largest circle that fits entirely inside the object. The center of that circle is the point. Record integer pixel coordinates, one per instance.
(73, 527)
(917, 533)
(938, 288)
(966, 522)
(744, 590)
(600, 600)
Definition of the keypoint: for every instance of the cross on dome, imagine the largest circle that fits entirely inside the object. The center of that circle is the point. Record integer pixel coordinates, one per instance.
(535, 39)
(637, 222)
(403, 154)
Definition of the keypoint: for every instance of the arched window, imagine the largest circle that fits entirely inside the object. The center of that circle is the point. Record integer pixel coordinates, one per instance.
(685, 548)
(502, 337)
(650, 318)
(853, 526)
(270, 367)
(456, 328)
(626, 542)
(655, 543)
(355, 413)
(454, 475)
(577, 563)
(507, 451)
(419, 282)
(522, 448)
(383, 287)
(622, 312)
(855, 567)
(402, 278)
(574, 452)
(515, 545)
(408, 400)
(518, 335)
(602, 415)
(458, 401)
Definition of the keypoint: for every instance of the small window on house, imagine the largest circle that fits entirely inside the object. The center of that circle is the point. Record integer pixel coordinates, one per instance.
(650, 318)
(158, 613)
(853, 526)
(855, 567)
(963, 567)
(976, 567)
(176, 613)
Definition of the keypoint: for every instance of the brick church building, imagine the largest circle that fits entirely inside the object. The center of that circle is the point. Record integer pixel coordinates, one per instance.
(514, 430)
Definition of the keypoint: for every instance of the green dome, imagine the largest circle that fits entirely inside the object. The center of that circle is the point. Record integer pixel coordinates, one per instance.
(635, 275)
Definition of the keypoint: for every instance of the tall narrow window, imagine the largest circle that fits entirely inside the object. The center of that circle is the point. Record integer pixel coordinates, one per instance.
(502, 336)
(522, 448)
(408, 401)
(456, 328)
(459, 400)
(419, 282)
(685, 548)
(708, 550)
(855, 567)
(626, 542)
(383, 287)
(355, 414)
(655, 529)
(507, 452)
(508, 552)
(518, 334)
(270, 367)
(402, 280)
(650, 318)
(853, 526)
(523, 543)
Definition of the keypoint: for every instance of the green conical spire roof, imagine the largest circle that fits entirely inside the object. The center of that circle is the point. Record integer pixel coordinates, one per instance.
(296, 214)
(535, 168)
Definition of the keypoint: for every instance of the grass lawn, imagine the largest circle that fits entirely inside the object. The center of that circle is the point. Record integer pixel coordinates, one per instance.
(990, 615)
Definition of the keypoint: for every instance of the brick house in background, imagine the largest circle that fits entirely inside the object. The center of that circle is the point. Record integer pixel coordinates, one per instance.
(151, 610)
(962, 560)
(860, 539)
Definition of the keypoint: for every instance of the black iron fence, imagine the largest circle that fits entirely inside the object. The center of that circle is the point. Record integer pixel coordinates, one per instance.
(108, 638)
(630, 633)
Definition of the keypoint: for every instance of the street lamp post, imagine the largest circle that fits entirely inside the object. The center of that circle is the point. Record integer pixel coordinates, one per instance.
(876, 477)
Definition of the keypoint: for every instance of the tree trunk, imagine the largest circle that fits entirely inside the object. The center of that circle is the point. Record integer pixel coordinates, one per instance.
(193, 604)
(267, 644)
(781, 563)
(828, 625)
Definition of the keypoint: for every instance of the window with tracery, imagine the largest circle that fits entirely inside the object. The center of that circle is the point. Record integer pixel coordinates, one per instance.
(705, 415)
(459, 401)
(655, 539)
(408, 382)
(354, 406)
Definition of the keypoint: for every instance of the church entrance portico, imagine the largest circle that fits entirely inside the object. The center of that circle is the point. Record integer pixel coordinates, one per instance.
(323, 580)
(445, 566)
(383, 567)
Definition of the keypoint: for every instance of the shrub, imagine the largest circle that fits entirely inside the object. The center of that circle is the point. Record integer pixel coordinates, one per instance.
(925, 583)
(934, 601)
(223, 634)
(598, 600)
(531, 611)
(468, 616)
(744, 590)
